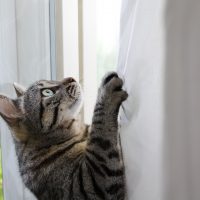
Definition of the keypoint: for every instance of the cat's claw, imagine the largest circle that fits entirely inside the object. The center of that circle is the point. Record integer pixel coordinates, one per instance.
(108, 77)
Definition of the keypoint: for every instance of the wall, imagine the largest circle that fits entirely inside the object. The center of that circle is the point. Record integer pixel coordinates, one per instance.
(182, 97)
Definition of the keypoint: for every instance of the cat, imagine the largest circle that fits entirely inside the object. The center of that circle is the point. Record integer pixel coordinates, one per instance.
(59, 157)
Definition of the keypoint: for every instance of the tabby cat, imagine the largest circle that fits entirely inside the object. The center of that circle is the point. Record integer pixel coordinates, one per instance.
(59, 157)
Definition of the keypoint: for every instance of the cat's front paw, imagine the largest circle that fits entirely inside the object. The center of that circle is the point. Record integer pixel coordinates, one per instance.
(111, 92)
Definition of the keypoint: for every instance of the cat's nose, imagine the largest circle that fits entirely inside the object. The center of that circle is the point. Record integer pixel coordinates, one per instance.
(68, 80)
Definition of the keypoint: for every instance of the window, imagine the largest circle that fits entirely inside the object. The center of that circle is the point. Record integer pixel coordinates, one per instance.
(90, 30)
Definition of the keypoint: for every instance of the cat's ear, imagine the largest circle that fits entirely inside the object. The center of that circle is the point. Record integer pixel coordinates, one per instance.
(8, 110)
(19, 89)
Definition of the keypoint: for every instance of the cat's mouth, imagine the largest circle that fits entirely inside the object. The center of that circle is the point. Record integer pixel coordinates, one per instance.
(75, 94)
(73, 90)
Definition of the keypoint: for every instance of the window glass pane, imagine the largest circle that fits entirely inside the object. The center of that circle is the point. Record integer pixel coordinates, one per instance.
(108, 21)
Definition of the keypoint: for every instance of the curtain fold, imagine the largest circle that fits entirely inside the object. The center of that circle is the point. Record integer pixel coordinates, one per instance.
(141, 65)
(24, 58)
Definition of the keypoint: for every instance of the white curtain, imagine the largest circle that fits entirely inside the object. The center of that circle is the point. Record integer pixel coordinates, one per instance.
(24, 58)
(160, 130)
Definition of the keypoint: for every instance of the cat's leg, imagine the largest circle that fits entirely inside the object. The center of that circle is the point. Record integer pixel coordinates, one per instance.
(103, 150)
(105, 118)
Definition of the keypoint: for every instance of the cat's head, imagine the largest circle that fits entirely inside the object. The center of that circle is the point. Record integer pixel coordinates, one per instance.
(44, 106)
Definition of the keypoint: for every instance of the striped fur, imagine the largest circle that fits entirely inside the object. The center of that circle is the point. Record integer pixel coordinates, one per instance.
(59, 157)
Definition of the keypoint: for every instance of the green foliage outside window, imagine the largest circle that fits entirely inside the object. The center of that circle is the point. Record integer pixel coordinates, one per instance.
(1, 180)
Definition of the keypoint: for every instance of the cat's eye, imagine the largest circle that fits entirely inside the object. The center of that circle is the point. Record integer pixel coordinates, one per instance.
(47, 93)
